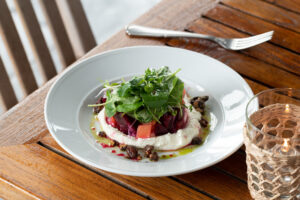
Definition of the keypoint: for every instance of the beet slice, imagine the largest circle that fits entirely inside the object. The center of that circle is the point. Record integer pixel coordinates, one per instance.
(168, 122)
(160, 129)
(132, 129)
(111, 121)
(181, 119)
(123, 122)
(126, 124)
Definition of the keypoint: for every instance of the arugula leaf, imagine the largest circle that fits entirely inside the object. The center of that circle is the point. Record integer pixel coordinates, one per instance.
(110, 108)
(124, 89)
(143, 116)
(129, 107)
(156, 100)
(149, 88)
(129, 100)
(176, 94)
(157, 113)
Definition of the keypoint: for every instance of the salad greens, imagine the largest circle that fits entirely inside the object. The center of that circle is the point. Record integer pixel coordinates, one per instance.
(147, 97)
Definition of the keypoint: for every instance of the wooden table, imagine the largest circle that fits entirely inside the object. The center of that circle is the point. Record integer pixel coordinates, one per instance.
(40, 169)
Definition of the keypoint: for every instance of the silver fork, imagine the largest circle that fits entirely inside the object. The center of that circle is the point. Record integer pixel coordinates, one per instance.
(227, 43)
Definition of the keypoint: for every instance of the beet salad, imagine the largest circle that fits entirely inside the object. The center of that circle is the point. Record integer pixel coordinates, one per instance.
(151, 111)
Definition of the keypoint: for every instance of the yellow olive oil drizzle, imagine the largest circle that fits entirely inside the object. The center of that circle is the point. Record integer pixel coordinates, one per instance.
(94, 130)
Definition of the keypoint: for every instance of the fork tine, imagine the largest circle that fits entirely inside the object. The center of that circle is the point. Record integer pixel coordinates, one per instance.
(250, 44)
(237, 43)
(256, 41)
(255, 37)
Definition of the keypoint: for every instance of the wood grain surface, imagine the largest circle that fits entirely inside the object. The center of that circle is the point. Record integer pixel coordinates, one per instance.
(266, 52)
(7, 94)
(216, 180)
(292, 5)
(252, 25)
(77, 26)
(268, 12)
(147, 186)
(238, 169)
(243, 64)
(12, 191)
(59, 33)
(49, 175)
(216, 183)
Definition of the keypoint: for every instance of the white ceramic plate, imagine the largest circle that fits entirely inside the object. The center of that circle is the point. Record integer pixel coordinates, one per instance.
(68, 117)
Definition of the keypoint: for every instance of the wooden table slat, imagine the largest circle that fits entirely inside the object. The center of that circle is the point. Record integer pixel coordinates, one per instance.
(59, 32)
(16, 51)
(252, 25)
(288, 4)
(256, 87)
(266, 52)
(77, 26)
(7, 95)
(268, 12)
(48, 175)
(238, 169)
(143, 184)
(36, 39)
(217, 183)
(149, 185)
(11, 191)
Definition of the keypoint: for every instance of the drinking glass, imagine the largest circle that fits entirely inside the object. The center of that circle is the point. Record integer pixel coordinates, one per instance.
(272, 140)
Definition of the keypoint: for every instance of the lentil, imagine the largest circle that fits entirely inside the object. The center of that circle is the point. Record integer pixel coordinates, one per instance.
(203, 122)
(132, 152)
(101, 134)
(196, 141)
(154, 156)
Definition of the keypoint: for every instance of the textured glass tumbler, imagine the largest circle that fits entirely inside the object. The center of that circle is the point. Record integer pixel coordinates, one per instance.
(272, 140)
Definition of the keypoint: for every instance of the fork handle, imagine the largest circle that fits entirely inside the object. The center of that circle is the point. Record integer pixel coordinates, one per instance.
(136, 30)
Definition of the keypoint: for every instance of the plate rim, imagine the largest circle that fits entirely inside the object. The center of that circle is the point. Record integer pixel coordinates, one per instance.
(77, 64)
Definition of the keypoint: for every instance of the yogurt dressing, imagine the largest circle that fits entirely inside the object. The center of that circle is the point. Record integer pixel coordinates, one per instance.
(169, 141)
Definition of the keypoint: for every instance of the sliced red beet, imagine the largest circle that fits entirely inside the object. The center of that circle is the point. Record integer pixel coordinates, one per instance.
(126, 124)
(167, 121)
(111, 121)
(181, 120)
(160, 129)
(132, 129)
(123, 122)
